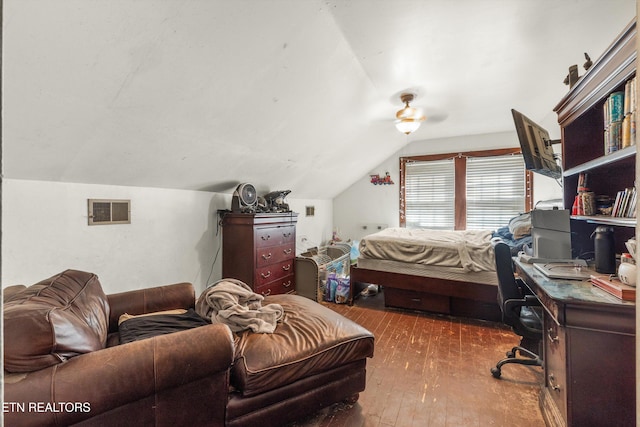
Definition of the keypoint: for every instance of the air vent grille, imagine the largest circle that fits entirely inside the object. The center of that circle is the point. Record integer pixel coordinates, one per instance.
(108, 211)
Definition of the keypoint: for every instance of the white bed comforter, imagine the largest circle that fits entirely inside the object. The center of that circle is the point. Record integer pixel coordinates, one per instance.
(470, 250)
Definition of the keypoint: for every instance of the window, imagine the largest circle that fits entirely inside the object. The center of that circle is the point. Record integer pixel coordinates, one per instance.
(473, 190)
(495, 191)
(429, 194)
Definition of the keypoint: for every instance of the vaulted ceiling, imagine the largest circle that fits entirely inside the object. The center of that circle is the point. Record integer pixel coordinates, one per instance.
(285, 94)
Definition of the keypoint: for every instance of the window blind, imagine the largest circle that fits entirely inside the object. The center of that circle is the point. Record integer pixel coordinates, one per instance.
(429, 194)
(495, 191)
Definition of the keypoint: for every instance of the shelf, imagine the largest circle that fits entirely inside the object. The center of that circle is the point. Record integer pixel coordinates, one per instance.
(614, 67)
(607, 220)
(602, 161)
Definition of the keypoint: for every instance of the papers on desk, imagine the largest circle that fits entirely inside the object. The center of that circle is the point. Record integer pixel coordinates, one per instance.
(574, 270)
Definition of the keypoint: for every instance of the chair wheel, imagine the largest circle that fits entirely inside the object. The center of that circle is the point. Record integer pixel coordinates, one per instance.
(496, 372)
(351, 400)
(511, 354)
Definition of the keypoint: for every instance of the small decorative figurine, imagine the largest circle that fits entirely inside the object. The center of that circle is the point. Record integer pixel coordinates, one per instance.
(589, 63)
(573, 76)
(378, 180)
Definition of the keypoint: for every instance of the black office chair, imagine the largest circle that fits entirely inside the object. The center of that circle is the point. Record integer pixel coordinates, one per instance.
(520, 309)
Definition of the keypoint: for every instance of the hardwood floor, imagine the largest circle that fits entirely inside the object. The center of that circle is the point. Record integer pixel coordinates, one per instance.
(431, 370)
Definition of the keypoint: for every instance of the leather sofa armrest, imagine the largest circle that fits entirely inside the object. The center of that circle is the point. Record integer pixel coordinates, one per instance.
(140, 301)
(109, 379)
(9, 291)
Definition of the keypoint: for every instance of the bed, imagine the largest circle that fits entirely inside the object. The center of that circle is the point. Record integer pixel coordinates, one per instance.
(448, 272)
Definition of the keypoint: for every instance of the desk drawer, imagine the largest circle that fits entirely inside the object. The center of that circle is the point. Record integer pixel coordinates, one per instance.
(555, 357)
(274, 236)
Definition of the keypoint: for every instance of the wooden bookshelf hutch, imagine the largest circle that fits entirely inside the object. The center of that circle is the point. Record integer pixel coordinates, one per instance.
(580, 115)
(589, 343)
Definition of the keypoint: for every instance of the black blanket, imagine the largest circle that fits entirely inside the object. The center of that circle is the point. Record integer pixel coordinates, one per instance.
(142, 327)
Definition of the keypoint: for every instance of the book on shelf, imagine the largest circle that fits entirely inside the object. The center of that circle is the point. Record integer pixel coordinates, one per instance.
(619, 115)
(630, 96)
(614, 286)
(624, 205)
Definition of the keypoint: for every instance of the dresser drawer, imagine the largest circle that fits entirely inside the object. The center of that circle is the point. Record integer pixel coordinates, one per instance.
(273, 272)
(274, 236)
(555, 364)
(283, 285)
(274, 254)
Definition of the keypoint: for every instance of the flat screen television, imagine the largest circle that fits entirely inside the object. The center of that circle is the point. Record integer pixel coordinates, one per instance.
(536, 147)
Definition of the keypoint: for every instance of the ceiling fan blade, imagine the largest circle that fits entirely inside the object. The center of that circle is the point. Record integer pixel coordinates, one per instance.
(434, 115)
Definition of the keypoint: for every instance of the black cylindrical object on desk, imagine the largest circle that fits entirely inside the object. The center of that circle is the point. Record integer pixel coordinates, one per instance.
(605, 249)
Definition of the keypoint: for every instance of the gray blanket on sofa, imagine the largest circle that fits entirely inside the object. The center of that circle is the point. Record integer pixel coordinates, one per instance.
(234, 303)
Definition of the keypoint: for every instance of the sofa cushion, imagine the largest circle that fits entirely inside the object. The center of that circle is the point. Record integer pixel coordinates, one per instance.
(310, 339)
(53, 320)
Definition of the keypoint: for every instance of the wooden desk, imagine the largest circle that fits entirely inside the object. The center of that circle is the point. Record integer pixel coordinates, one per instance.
(589, 352)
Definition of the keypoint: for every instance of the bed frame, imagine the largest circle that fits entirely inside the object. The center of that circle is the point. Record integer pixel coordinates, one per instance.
(445, 296)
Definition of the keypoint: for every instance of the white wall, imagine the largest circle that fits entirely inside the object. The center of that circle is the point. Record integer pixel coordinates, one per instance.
(366, 204)
(173, 235)
(313, 230)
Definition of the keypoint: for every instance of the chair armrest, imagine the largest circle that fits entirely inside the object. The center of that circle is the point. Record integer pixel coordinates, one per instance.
(140, 301)
(532, 301)
(522, 285)
(528, 301)
(509, 306)
(109, 379)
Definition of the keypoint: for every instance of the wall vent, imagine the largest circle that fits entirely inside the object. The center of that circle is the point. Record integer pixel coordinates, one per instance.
(109, 211)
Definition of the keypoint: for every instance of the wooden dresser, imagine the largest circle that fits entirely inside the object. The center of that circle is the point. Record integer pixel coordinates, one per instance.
(260, 250)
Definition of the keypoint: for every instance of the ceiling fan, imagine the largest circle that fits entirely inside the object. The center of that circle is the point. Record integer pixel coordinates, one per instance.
(409, 118)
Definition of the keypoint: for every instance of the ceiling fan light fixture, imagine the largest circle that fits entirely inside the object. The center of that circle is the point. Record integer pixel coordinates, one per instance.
(408, 118)
(407, 126)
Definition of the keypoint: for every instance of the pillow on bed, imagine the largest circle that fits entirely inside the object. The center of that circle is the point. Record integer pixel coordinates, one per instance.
(135, 328)
(520, 225)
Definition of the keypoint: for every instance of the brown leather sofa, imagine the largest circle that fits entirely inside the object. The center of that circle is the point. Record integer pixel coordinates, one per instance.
(64, 364)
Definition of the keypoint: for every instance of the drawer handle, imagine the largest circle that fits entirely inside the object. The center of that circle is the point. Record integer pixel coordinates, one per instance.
(552, 338)
(287, 284)
(267, 237)
(267, 256)
(286, 267)
(286, 234)
(266, 294)
(552, 383)
(264, 276)
(286, 251)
